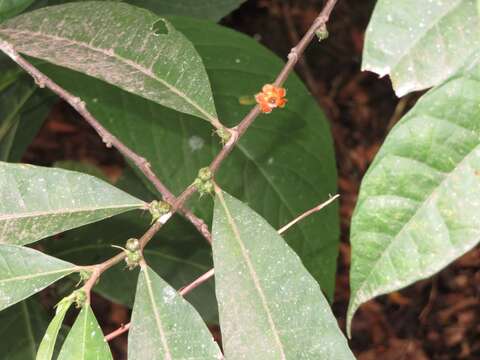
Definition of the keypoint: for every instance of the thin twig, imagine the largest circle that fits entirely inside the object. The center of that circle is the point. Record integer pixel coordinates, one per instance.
(308, 213)
(110, 140)
(107, 137)
(200, 280)
(294, 38)
(239, 130)
(210, 273)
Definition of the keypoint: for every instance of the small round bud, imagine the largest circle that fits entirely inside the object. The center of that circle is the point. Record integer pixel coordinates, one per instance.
(132, 244)
(133, 259)
(164, 207)
(322, 33)
(208, 187)
(205, 174)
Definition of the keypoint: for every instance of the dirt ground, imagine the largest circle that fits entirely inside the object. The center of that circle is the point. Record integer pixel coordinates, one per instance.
(436, 319)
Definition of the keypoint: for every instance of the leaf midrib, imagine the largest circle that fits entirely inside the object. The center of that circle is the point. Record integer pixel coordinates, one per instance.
(253, 274)
(7, 217)
(158, 321)
(146, 72)
(36, 275)
(426, 201)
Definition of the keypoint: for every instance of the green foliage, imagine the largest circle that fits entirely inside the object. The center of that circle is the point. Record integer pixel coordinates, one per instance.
(9, 8)
(165, 326)
(420, 43)
(263, 290)
(176, 254)
(24, 272)
(23, 107)
(85, 340)
(205, 9)
(21, 330)
(147, 82)
(286, 156)
(419, 202)
(47, 346)
(129, 53)
(41, 202)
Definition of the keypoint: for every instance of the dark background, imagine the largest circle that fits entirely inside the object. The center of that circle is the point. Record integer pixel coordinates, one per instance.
(432, 319)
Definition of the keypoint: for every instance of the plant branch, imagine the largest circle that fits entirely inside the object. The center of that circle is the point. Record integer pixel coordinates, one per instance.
(210, 273)
(238, 131)
(107, 137)
(110, 140)
(308, 213)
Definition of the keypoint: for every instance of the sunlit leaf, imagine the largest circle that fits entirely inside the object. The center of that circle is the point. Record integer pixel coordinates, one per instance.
(36, 202)
(24, 272)
(121, 44)
(165, 326)
(47, 346)
(85, 341)
(270, 306)
(419, 203)
(420, 43)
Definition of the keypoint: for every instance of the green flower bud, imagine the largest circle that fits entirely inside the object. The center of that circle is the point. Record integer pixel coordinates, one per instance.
(132, 244)
(205, 174)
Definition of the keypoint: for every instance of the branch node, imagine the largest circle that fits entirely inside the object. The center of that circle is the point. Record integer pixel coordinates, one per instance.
(293, 55)
(107, 140)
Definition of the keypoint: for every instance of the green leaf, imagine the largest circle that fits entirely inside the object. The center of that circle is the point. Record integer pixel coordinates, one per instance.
(283, 166)
(24, 272)
(23, 107)
(9, 8)
(21, 330)
(419, 202)
(165, 326)
(36, 202)
(47, 346)
(420, 43)
(270, 307)
(206, 9)
(12, 101)
(85, 340)
(176, 254)
(126, 46)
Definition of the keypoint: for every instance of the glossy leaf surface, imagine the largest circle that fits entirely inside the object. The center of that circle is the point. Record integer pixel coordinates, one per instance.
(165, 326)
(270, 306)
(85, 341)
(36, 202)
(419, 202)
(126, 46)
(420, 43)
(283, 166)
(24, 272)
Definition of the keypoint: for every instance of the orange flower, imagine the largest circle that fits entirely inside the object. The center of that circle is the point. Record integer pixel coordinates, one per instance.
(271, 97)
